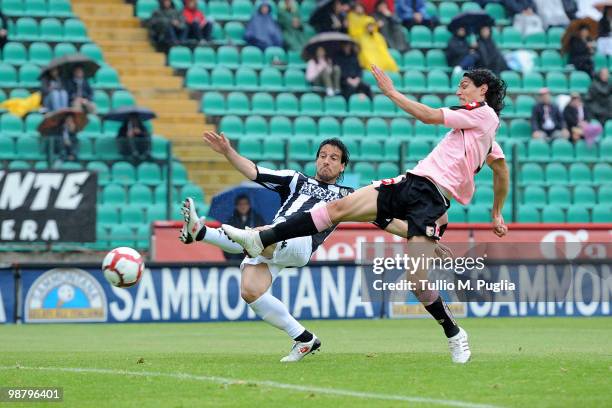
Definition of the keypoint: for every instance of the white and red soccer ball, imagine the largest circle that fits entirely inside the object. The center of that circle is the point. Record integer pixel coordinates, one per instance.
(122, 267)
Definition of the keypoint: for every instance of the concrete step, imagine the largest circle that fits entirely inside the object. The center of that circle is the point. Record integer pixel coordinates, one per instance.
(170, 105)
(125, 46)
(167, 117)
(142, 58)
(93, 22)
(156, 82)
(187, 130)
(120, 10)
(79, 2)
(144, 71)
(129, 34)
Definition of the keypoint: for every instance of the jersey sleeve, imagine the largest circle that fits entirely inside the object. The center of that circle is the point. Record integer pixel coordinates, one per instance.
(274, 180)
(463, 118)
(496, 152)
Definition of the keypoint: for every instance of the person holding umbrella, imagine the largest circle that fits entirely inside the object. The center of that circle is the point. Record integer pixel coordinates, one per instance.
(61, 127)
(80, 92)
(459, 53)
(351, 73)
(488, 54)
(53, 91)
(134, 140)
(321, 71)
(581, 49)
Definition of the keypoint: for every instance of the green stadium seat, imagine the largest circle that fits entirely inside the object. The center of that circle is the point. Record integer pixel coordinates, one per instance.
(295, 80)
(532, 82)
(231, 126)
(122, 98)
(513, 80)
(218, 35)
(122, 235)
(179, 174)
(213, 103)
(579, 173)
(353, 128)
(12, 7)
(586, 153)
(414, 81)
(123, 173)
(102, 101)
(559, 195)
(271, 79)
(281, 127)
(106, 78)
(251, 148)
(228, 57)
(553, 214)
(511, 38)
(35, 8)
(197, 78)
(26, 29)
(148, 173)
(294, 59)
(360, 105)
(287, 104)
(437, 82)
(255, 126)
(432, 101)
(275, 55)
(531, 173)
(601, 61)
(250, 56)
(437, 60)
(311, 104)
(193, 191)
(418, 149)
(159, 148)
(556, 82)
(556, 173)
(179, 57)
(524, 106)
(40, 53)
(441, 36)
(520, 129)
(11, 125)
(372, 150)
(234, 31)
(335, 105)
(377, 128)
(579, 82)
(329, 127)
(238, 103)
(28, 76)
(246, 79)
(114, 194)
(64, 48)
(528, 213)
(554, 35)
(414, 60)
(392, 151)
(604, 195)
(536, 41)
(74, 31)
(145, 8)
(51, 30)
(584, 195)
(401, 128)
(538, 150)
(18, 165)
(155, 212)
(446, 12)
(562, 151)
(101, 169)
(456, 214)
(420, 37)
(387, 170)
(161, 196)
(305, 127)
(8, 76)
(383, 107)
(14, 53)
(7, 148)
(550, 60)
(204, 57)
(605, 147)
(300, 148)
(222, 77)
(274, 149)
(534, 196)
(310, 169)
(498, 12)
(107, 214)
(425, 131)
(483, 195)
(220, 10)
(602, 173)
(602, 212)
(479, 213)
(578, 213)
(140, 195)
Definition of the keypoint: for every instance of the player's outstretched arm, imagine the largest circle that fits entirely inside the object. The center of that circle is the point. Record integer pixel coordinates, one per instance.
(500, 191)
(220, 144)
(422, 112)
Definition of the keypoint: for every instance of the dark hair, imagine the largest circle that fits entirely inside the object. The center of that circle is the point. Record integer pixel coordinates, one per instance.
(496, 91)
(346, 157)
(240, 197)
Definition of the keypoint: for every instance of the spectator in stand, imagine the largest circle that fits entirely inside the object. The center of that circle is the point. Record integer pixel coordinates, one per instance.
(364, 30)
(3, 30)
(80, 93)
(526, 21)
(546, 119)
(244, 216)
(552, 13)
(351, 73)
(53, 91)
(604, 40)
(198, 27)
(290, 23)
(390, 26)
(370, 6)
(581, 48)
(571, 8)
(262, 31)
(586, 8)
(414, 12)
(332, 20)
(134, 140)
(489, 55)
(577, 119)
(64, 139)
(167, 25)
(459, 53)
(599, 97)
(321, 71)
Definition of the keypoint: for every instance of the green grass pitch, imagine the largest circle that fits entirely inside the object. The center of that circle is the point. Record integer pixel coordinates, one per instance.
(527, 362)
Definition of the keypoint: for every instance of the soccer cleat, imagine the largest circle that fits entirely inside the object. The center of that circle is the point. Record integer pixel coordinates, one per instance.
(300, 350)
(192, 223)
(459, 347)
(248, 239)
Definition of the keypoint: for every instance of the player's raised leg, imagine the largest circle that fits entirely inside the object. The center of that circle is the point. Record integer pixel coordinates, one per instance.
(254, 285)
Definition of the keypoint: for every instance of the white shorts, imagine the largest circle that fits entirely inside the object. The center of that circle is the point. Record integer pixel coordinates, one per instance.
(294, 252)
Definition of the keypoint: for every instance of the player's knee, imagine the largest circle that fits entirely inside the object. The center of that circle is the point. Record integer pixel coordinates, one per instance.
(336, 209)
(250, 293)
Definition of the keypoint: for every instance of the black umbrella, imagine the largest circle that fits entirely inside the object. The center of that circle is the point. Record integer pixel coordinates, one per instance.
(53, 120)
(66, 64)
(472, 21)
(124, 112)
(323, 7)
(330, 40)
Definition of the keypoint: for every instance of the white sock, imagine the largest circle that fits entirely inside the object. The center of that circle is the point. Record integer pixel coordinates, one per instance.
(275, 312)
(217, 237)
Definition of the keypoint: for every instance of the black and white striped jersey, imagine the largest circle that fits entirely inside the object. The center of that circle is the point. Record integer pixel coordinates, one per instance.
(299, 193)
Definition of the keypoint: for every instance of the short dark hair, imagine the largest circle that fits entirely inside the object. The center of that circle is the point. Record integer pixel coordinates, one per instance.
(240, 197)
(334, 141)
(496, 91)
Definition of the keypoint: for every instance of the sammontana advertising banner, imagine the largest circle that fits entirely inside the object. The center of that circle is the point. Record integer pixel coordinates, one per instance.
(49, 206)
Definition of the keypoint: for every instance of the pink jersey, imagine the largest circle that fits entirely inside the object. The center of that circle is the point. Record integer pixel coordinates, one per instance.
(453, 163)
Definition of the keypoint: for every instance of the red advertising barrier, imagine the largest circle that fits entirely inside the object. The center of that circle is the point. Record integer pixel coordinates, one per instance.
(345, 242)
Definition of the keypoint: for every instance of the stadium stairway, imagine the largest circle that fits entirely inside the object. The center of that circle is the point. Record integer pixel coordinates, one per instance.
(144, 73)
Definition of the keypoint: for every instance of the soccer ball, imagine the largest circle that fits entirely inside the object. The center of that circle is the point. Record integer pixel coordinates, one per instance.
(122, 267)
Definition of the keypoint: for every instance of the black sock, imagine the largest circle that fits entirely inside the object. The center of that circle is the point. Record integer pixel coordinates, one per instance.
(305, 337)
(298, 225)
(201, 233)
(440, 311)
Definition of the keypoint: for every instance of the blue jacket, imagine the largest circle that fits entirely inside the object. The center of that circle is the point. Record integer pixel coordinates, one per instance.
(406, 8)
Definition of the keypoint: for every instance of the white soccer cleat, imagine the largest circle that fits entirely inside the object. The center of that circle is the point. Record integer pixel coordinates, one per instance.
(459, 347)
(247, 239)
(300, 350)
(192, 224)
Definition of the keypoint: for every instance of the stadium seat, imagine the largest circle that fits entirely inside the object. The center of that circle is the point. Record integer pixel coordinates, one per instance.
(193, 191)
(511, 38)
(7, 148)
(107, 77)
(197, 78)
(246, 79)
(14, 53)
(420, 37)
(441, 36)
(538, 150)
(556, 82)
(559, 195)
(359, 105)
(255, 126)
(287, 104)
(221, 77)
(102, 170)
(274, 149)
(483, 195)
(377, 128)
(479, 213)
(437, 82)
(122, 98)
(140, 194)
(271, 79)
(353, 128)
(51, 30)
(414, 60)
(232, 126)
(114, 194)
(536, 41)
(553, 213)
(123, 173)
(531, 173)
(418, 149)
(40, 53)
(8, 76)
(335, 105)
(238, 103)
(18, 165)
(604, 194)
(556, 173)
(148, 173)
(251, 148)
(584, 195)
(294, 80)
(383, 107)
(513, 80)
(446, 12)
(579, 82)
(213, 103)
(602, 212)
(393, 150)
(602, 173)
(74, 31)
(26, 29)
(579, 173)
(179, 57)
(387, 170)
(300, 148)
(520, 129)
(329, 127)
(366, 171)
(534, 196)
(204, 57)
(93, 51)
(528, 213)
(414, 81)
(311, 104)
(401, 128)
(275, 55)
(371, 150)
(456, 214)
(578, 213)
(250, 56)
(305, 126)
(437, 60)
(234, 31)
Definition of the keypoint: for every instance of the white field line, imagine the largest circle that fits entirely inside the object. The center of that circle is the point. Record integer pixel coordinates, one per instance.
(269, 384)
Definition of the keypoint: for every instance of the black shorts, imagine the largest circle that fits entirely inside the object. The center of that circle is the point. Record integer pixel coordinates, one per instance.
(416, 200)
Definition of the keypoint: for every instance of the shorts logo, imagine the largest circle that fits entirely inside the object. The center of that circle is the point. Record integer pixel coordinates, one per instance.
(430, 231)
(65, 295)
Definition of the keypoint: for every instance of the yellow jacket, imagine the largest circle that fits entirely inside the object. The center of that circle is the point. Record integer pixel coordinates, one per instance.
(22, 106)
(373, 47)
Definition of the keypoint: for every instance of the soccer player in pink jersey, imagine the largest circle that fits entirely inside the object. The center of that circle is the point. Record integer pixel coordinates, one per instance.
(421, 196)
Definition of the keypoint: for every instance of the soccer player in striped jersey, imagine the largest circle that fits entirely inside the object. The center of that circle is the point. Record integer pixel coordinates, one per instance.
(423, 194)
